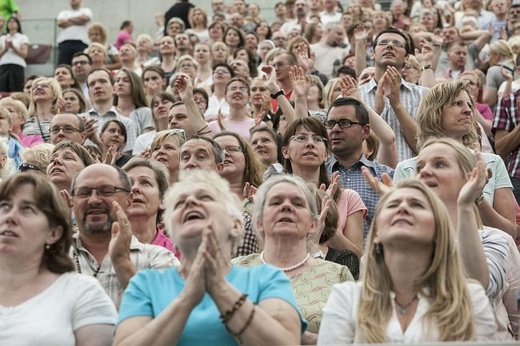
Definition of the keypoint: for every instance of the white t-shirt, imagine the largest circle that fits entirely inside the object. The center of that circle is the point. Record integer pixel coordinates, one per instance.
(143, 141)
(74, 32)
(11, 57)
(338, 325)
(51, 317)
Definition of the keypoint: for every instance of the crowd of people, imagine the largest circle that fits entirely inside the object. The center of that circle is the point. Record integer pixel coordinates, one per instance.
(341, 174)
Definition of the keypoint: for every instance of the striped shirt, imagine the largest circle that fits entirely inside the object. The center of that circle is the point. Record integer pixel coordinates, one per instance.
(506, 119)
(410, 96)
(143, 256)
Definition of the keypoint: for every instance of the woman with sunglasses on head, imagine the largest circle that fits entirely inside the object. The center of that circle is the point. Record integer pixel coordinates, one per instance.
(43, 106)
(38, 286)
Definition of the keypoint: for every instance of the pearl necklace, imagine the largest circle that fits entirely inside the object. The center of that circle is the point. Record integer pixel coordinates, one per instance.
(291, 268)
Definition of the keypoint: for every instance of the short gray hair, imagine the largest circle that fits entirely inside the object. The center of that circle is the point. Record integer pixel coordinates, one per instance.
(261, 195)
(215, 182)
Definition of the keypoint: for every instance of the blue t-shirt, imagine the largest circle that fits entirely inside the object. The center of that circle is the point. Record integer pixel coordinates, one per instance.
(152, 291)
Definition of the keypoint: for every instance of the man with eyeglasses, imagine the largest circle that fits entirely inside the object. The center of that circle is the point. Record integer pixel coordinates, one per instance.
(389, 94)
(81, 66)
(348, 127)
(104, 247)
(67, 127)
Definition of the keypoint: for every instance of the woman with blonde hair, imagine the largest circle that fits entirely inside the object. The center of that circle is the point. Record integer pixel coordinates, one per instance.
(18, 113)
(448, 110)
(98, 54)
(165, 149)
(331, 91)
(255, 305)
(414, 289)
(199, 24)
(97, 32)
(187, 65)
(500, 56)
(44, 105)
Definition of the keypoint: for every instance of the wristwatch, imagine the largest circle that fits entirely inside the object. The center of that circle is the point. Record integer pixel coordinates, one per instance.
(278, 93)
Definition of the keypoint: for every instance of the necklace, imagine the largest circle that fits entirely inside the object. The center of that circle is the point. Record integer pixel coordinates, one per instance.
(291, 268)
(78, 267)
(403, 308)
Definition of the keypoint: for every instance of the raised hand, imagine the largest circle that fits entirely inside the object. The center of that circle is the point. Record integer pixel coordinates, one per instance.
(184, 87)
(217, 264)
(249, 192)
(360, 34)
(349, 87)
(477, 179)
(119, 247)
(392, 84)
(111, 155)
(195, 287)
(381, 187)
(269, 79)
(90, 127)
(305, 60)
(301, 82)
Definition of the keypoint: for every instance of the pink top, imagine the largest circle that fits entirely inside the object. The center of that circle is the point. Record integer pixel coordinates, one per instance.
(162, 240)
(30, 140)
(349, 202)
(122, 37)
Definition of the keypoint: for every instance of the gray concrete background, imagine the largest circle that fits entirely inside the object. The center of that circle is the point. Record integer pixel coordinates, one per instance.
(38, 18)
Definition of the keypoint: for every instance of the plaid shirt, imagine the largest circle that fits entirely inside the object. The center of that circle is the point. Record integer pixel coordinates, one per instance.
(352, 178)
(506, 119)
(410, 96)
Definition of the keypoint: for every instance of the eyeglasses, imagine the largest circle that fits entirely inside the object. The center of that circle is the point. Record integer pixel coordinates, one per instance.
(343, 124)
(395, 43)
(41, 85)
(103, 191)
(232, 149)
(186, 66)
(304, 138)
(24, 167)
(242, 89)
(81, 62)
(66, 129)
(221, 71)
(180, 132)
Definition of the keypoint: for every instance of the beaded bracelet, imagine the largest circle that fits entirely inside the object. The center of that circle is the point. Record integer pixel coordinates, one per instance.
(246, 325)
(227, 316)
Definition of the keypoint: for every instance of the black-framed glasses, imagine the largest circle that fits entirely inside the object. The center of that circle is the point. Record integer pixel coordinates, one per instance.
(24, 167)
(303, 138)
(66, 129)
(232, 149)
(343, 124)
(103, 191)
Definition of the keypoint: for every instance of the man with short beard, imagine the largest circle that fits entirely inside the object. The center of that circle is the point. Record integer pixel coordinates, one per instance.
(104, 247)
